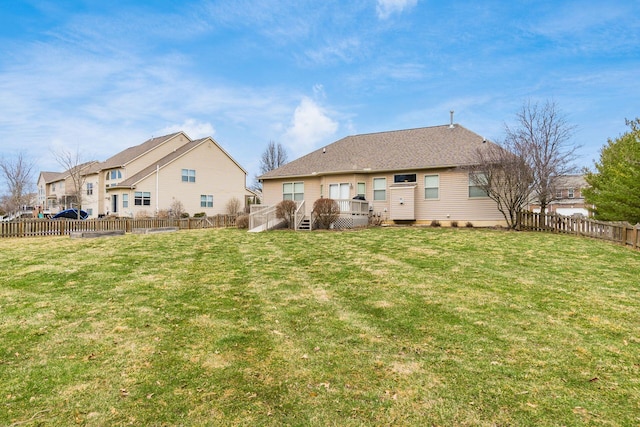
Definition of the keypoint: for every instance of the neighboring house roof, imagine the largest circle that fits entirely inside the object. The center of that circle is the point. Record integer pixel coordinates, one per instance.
(50, 177)
(132, 153)
(421, 148)
(177, 153)
(570, 181)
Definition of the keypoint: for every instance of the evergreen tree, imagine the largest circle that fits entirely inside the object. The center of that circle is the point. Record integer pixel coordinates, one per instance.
(615, 184)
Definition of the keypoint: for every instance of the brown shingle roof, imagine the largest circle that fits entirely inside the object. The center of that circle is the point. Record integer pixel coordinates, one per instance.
(52, 176)
(59, 176)
(131, 153)
(421, 148)
(131, 181)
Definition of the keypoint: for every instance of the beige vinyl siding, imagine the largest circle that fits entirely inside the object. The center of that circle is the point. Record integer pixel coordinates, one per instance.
(216, 175)
(402, 202)
(454, 202)
(150, 157)
(92, 201)
(272, 191)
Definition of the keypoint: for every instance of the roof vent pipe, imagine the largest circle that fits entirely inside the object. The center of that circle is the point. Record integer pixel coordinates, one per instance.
(451, 123)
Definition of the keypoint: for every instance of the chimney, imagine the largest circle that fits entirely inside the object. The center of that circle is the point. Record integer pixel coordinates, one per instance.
(451, 123)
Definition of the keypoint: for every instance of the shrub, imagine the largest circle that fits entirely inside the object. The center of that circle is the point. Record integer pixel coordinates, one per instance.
(163, 214)
(184, 215)
(176, 209)
(435, 223)
(233, 206)
(326, 212)
(469, 225)
(454, 224)
(142, 215)
(242, 221)
(199, 215)
(286, 210)
(375, 220)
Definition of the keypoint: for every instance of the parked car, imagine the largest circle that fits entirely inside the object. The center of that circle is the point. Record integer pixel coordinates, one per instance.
(71, 214)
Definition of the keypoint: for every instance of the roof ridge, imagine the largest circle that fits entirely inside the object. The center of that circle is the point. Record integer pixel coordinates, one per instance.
(402, 130)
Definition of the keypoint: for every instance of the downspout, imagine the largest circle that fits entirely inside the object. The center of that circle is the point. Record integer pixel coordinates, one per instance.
(157, 189)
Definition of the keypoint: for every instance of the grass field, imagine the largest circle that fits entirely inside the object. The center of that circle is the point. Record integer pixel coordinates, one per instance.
(383, 326)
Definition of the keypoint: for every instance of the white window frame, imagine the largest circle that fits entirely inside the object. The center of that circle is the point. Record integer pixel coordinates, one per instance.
(293, 191)
(377, 191)
(188, 175)
(142, 198)
(478, 192)
(206, 200)
(437, 187)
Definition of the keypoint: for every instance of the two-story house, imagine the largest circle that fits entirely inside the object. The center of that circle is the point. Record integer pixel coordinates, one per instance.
(153, 176)
(568, 199)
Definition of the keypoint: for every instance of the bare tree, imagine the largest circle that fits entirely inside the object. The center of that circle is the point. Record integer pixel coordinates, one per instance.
(541, 136)
(504, 176)
(176, 209)
(273, 157)
(18, 175)
(233, 206)
(76, 170)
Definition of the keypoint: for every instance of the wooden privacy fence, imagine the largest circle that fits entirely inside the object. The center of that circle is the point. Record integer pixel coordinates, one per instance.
(618, 232)
(61, 227)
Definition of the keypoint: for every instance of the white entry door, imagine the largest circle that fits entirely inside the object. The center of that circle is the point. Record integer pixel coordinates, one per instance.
(340, 192)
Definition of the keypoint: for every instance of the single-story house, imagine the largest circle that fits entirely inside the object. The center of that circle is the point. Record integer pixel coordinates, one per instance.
(405, 176)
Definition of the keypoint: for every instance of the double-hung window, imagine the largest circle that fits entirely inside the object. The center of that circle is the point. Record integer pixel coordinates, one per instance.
(431, 187)
(379, 188)
(477, 181)
(293, 191)
(142, 198)
(188, 175)
(206, 200)
(89, 188)
(361, 190)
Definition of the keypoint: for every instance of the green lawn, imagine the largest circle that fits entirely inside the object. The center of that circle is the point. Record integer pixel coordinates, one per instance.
(384, 326)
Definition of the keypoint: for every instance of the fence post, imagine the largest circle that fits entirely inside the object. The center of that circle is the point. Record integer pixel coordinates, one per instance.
(634, 234)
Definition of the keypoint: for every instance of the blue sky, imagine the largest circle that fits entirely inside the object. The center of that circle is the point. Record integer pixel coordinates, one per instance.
(99, 76)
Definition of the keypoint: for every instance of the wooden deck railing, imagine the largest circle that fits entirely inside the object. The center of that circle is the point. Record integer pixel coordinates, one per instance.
(61, 227)
(262, 217)
(353, 207)
(618, 232)
(299, 215)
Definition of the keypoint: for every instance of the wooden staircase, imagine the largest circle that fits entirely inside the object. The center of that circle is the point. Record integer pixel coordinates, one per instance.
(305, 224)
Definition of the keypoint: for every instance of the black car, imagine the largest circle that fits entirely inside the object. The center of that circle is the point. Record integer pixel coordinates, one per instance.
(71, 214)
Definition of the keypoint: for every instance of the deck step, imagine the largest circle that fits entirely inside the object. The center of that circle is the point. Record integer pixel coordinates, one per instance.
(305, 225)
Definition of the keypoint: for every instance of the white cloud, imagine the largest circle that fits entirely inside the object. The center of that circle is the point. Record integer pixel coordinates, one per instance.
(310, 125)
(385, 8)
(191, 127)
